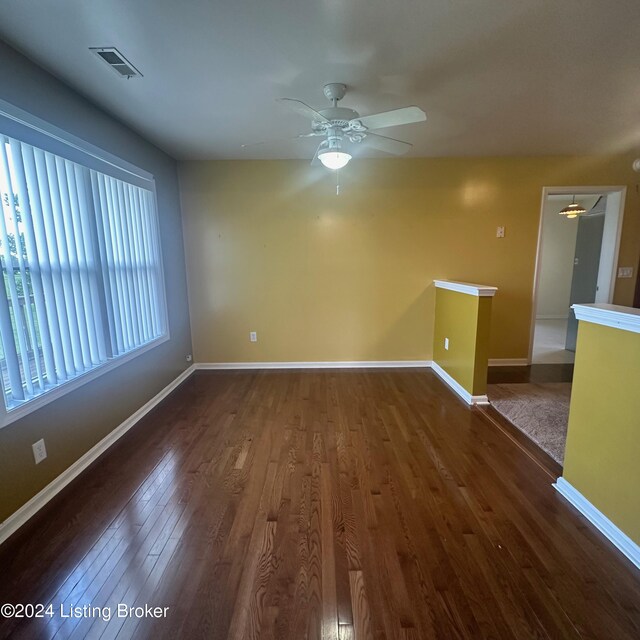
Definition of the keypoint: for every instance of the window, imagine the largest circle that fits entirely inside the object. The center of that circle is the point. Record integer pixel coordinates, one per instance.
(82, 282)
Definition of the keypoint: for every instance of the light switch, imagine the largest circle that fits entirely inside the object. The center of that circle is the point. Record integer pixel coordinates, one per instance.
(625, 272)
(500, 232)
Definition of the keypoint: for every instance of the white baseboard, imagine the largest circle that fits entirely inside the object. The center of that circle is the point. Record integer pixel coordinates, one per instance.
(508, 362)
(355, 364)
(30, 508)
(599, 520)
(457, 387)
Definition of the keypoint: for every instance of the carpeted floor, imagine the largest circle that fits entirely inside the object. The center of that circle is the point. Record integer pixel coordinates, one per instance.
(541, 411)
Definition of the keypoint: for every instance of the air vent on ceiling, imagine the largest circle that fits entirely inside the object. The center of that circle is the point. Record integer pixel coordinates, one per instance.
(116, 61)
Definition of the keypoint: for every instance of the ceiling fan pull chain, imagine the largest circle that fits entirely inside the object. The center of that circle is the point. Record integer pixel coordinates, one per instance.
(337, 182)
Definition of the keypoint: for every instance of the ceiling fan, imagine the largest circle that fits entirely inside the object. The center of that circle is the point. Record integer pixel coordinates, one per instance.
(342, 127)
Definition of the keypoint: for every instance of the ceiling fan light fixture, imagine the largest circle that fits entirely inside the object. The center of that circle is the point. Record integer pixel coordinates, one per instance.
(334, 159)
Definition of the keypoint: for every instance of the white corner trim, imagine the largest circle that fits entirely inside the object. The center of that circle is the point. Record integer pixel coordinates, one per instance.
(609, 315)
(30, 508)
(355, 364)
(467, 287)
(599, 520)
(508, 362)
(457, 387)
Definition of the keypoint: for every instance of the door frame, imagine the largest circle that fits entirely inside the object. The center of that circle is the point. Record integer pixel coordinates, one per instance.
(636, 298)
(582, 190)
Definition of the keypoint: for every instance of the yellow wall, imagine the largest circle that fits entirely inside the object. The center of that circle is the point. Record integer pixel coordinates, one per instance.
(465, 320)
(483, 335)
(271, 248)
(603, 441)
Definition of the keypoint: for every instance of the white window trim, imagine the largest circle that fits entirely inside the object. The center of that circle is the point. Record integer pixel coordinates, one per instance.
(7, 417)
(80, 148)
(77, 147)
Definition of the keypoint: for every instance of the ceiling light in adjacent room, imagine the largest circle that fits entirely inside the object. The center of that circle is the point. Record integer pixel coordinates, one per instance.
(573, 210)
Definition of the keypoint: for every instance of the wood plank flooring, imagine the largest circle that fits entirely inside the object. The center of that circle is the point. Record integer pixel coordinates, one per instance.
(330, 504)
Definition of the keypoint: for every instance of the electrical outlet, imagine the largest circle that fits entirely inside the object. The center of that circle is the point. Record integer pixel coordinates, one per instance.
(39, 451)
(189, 358)
(446, 344)
(253, 336)
(500, 232)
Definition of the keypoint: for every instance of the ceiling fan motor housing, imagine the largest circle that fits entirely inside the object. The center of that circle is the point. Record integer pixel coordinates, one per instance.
(339, 117)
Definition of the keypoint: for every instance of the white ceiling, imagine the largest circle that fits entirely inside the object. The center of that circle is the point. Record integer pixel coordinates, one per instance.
(496, 77)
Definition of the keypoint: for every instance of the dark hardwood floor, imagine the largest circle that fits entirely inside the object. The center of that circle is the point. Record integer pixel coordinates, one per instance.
(522, 440)
(318, 504)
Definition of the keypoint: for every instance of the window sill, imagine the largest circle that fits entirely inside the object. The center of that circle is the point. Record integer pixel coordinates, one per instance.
(23, 410)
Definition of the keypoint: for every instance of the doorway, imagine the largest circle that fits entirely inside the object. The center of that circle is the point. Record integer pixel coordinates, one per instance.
(575, 264)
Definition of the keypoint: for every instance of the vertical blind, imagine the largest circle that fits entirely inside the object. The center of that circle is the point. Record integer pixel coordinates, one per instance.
(82, 277)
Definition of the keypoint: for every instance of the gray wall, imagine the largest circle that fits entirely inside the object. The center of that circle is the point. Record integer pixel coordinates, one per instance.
(556, 266)
(74, 423)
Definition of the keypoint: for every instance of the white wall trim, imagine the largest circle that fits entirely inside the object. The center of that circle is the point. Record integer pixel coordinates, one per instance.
(508, 362)
(599, 520)
(469, 288)
(346, 364)
(609, 315)
(30, 508)
(457, 387)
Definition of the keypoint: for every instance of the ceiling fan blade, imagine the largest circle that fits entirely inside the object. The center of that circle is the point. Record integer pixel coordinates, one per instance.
(303, 109)
(316, 161)
(390, 145)
(300, 135)
(394, 118)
